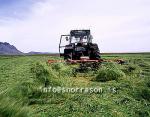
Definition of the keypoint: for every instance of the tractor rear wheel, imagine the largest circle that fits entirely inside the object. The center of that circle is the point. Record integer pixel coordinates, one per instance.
(95, 54)
(67, 54)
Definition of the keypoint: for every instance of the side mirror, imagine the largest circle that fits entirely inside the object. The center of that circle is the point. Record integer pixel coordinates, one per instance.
(67, 38)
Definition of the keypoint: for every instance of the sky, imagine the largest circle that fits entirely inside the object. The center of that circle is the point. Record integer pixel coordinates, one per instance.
(36, 25)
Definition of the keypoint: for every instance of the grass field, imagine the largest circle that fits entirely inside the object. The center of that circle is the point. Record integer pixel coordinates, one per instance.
(125, 88)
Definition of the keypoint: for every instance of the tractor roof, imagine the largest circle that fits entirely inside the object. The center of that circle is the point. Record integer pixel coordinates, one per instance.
(79, 33)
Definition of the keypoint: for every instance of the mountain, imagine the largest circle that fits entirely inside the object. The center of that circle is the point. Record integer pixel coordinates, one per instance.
(7, 49)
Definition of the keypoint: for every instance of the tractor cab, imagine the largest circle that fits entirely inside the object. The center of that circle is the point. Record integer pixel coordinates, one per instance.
(80, 36)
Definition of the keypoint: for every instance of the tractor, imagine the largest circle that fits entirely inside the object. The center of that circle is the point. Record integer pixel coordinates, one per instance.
(78, 47)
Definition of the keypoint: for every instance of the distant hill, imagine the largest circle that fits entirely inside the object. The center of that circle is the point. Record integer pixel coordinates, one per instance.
(33, 53)
(7, 49)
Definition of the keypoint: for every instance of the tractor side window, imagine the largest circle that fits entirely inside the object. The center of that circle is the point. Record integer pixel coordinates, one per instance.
(64, 42)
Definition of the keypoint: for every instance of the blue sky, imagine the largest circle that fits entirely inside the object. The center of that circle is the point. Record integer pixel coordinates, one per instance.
(14, 8)
(36, 25)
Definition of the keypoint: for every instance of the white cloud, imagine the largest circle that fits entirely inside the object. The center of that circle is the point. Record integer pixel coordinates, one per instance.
(115, 25)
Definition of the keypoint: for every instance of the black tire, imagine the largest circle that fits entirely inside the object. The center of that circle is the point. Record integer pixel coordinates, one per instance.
(67, 57)
(67, 54)
(95, 53)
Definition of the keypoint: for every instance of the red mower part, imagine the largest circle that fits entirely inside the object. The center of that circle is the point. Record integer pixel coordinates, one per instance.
(83, 61)
(54, 61)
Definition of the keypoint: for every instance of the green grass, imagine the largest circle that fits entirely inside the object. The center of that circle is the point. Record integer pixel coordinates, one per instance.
(126, 88)
(109, 71)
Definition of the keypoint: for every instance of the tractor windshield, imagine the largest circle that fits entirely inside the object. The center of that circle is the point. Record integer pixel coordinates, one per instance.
(79, 39)
(80, 36)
